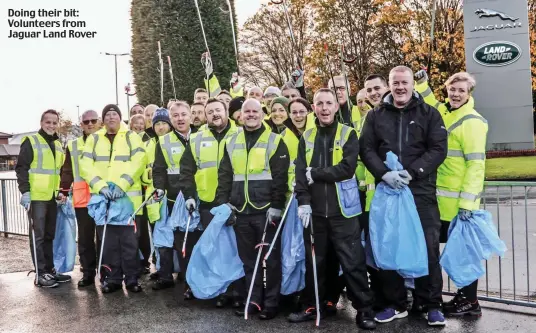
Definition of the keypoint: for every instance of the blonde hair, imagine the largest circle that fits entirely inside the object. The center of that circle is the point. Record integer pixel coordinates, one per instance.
(180, 103)
(401, 69)
(462, 77)
(133, 120)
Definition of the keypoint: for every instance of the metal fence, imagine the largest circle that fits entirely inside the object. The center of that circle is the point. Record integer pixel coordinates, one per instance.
(507, 280)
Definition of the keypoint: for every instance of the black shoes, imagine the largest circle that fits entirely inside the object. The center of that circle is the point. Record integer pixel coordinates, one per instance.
(331, 309)
(110, 288)
(221, 301)
(134, 287)
(461, 306)
(268, 313)
(47, 280)
(86, 281)
(163, 284)
(307, 315)
(61, 278)
(252, 309)
(180, 277)
(154, 276)
(188, 295)
(365, 320)
(237, 304)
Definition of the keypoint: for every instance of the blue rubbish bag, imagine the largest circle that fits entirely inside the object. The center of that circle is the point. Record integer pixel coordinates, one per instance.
(179, 216)
(470, 242)
(64, 245)
(119, 213)
(214, 263)
(396, 233)
(163, 236)
(292, 252)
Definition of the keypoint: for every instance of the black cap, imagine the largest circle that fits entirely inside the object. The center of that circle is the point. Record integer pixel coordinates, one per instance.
(236, 104)
(110, 107)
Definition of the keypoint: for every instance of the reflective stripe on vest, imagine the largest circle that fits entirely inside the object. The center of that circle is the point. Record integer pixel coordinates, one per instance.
(456, 195)
(39, 170)
(44, 172)
(467, 157)
(347, 190)
(76, 154)
(170, 152)
(459, 122)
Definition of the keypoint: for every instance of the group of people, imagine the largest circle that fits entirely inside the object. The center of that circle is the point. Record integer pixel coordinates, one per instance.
(254, 151)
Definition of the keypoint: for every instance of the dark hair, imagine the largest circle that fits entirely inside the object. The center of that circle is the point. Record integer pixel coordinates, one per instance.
(214, 100)
(50, 111)
(376, 76)
(198, 90)
(302, 101)
(198, 103)
(325, 90)
(137, 104)
(224, 92)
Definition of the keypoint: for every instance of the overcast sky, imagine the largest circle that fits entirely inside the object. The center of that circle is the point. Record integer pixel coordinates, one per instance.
(38, 74)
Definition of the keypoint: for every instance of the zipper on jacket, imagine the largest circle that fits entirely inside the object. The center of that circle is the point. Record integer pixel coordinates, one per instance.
(400, 139)
(325, 165)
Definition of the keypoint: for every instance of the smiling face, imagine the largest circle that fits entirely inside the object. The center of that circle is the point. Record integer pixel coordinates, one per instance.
(375, 89)
(136, 109)
(279, 114)
(252, 114)
(148, 113)
(225, 99)
(401, 85)
(290, 94)
(325, 107)
(298, 115)
(90, 122)
(50, 123)
(181, 118)
(217, 117)
(255, 93)
(339, 88)
(161, 128)
(112, 121)
(458, 93)
(361, 100)
(138, 124)
(198, 115)
(201, 97)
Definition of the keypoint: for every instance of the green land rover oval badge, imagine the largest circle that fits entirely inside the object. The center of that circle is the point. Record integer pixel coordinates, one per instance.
(497, 54)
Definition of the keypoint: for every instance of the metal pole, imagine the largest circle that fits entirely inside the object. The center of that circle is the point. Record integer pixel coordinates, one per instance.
(4, 206)
(429, 65)
(78, 110)
(116, 83)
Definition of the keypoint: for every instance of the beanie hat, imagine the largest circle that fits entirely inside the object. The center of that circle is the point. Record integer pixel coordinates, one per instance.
(110, 107)
(236, 104)
(272, 91)
(162, 115)
(281, 100)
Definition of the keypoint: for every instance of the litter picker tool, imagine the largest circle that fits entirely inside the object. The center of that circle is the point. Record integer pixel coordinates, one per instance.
(186, 234)
(432, 31)
(206, 43)
(313, 255)
(259, 253)
(278, 229)
(161, 61)
(289, 23)
(32, 225)
(172, 78)
(333, 79)
(346, 61)
(143, 204)
(102, 241)
(230, 12)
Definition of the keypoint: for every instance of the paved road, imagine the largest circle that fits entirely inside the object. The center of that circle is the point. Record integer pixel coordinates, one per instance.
(25, 308)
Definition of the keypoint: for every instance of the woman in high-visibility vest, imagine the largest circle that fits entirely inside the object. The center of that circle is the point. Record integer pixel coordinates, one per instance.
(460, 179)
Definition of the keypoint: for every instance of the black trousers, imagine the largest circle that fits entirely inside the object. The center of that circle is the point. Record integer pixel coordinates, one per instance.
(120, 258)
(470, 291)
(428, 289)
(345, 236)
(267, 282)
(144, 240)
(166, 254)
(43, 214)
(87, 249)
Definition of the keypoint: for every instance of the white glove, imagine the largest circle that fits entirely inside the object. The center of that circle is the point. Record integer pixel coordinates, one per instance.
(61, 199)
(274, 216)
(237, 82)
(159, 195)
(297, 77)
(394, 179)
(310, 180)
(304, 213)
(190, 205)
(207, 63)
(421, 76)
(25, 200)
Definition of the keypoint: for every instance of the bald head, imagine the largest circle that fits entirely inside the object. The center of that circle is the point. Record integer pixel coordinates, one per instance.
(90, 122)
(256, 93)
(252, 114)
(361, 100)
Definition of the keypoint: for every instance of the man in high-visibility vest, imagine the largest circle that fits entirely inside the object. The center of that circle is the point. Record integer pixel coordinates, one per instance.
(328, 198)
(38, 176)
(70, 175)
(253, 177)
(166, 172)
(116, 156)
(198, 114)
(349, 113)
(199, 165)
(200, 96)
(148, 113)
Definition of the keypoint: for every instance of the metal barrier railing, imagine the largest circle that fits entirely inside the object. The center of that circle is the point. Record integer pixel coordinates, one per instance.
(508, 279)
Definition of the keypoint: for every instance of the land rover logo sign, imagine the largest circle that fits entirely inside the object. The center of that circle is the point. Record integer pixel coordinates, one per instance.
(497, 54)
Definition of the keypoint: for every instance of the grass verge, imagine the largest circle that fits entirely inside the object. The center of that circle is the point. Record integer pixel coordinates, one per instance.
(511, 168)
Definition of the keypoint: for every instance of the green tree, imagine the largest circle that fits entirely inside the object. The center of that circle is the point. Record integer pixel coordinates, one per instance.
(176, 25)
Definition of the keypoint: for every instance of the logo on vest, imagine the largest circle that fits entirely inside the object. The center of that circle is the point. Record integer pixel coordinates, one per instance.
(496, 54)
(176, 150)
(485, 13)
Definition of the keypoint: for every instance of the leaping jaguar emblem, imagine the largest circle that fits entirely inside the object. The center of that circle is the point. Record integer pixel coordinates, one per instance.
(483, 12)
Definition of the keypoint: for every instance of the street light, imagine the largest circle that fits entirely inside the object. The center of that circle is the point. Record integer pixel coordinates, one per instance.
(116, 84)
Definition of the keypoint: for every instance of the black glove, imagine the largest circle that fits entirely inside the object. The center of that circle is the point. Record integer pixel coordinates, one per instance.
(231, 221)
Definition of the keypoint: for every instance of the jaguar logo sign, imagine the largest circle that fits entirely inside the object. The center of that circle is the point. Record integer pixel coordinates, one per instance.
(496, 54)
(512, 22)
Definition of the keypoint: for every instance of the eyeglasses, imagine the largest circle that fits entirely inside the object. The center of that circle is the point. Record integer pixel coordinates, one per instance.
(341, 88)
(93, 121)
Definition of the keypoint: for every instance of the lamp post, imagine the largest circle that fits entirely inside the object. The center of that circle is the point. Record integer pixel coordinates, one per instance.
(127, 92)
(116, 84)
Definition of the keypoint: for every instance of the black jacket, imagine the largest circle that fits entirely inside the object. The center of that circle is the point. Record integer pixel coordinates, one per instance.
(26, 157)
(416, 134)
(148, 134)
(346, 115)
(161, 180)
(279, 164)
(189, 169)
(322, 194)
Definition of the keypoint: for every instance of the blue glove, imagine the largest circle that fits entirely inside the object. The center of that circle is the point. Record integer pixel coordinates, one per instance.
(117, 193)
(106, 193)
(394, 179)
(465, 214)
(25, 200)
